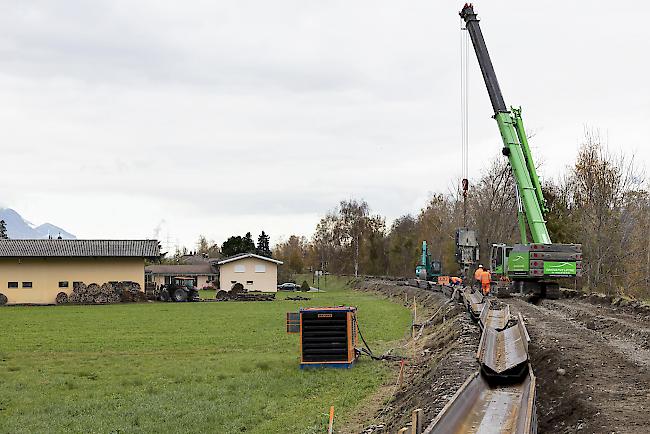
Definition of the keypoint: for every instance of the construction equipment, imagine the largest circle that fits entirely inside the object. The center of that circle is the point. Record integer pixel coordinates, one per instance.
(528, 264)
(427, 269)
(180, 289)
(328, 336)
(467, 250)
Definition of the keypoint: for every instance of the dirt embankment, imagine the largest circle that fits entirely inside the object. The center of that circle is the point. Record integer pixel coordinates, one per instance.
(592, 365)
(591, 357)
(439, 360)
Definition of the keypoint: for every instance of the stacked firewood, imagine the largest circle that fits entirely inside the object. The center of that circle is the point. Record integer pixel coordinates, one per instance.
(109, 292)
(243, 295)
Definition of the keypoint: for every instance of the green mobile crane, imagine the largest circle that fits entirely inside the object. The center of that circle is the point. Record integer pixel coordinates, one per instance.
(527, 265)
(427, 269)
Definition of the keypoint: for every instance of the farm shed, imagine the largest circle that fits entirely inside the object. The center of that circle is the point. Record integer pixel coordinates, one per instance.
(35, 271)
(254, 272)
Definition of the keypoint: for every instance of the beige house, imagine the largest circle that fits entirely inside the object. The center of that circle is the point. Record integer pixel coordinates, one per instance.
(255, 272)
(35, 271)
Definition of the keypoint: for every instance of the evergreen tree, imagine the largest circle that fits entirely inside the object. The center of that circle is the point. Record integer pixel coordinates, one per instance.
(236, 245)
(3, 230)
(263, 245)
(248, 245)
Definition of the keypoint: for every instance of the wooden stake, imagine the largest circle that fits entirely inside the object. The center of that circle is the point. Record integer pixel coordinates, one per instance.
(415, 313)
(416, 421)
(330, 428)
(401, 373)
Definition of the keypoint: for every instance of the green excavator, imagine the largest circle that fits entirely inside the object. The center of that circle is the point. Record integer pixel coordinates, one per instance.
(528, 266)
(427, 269)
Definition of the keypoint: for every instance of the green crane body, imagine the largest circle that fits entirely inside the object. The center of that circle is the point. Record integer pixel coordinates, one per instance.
(528, 263)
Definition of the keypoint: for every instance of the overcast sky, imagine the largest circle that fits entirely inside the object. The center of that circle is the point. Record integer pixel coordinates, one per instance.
(222, 117)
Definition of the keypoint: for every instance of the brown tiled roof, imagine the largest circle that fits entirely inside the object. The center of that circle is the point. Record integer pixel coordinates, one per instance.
(80, 248)
(182, 269)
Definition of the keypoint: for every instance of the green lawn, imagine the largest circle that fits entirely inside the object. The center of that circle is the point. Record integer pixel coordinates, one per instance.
(187, 367)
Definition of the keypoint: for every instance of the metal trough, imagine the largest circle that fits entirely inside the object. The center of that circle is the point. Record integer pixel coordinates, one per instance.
(494, 318)
(479, 407)
(474, 302)
(504, 353)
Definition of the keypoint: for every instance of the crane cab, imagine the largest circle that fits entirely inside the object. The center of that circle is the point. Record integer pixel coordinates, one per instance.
(499, 254)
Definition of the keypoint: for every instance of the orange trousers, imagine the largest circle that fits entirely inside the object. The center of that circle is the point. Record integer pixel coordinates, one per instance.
(486, 288)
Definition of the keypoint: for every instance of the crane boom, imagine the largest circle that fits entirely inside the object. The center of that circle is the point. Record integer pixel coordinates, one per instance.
(525, 265)
(513, 135)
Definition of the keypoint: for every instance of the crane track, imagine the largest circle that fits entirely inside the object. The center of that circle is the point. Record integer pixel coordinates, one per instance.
(500, 397)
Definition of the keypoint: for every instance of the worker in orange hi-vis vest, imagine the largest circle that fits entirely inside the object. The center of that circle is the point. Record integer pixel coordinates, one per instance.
(477, 275)
(486, 278)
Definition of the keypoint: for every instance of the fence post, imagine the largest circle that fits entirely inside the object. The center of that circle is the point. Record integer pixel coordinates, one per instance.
(330, 430)
(416, 421)
(401, 373)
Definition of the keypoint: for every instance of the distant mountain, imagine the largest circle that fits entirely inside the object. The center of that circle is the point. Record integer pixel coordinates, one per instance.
(18, 228)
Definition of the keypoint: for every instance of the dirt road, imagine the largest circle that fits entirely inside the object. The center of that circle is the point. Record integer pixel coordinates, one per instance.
(592, 365)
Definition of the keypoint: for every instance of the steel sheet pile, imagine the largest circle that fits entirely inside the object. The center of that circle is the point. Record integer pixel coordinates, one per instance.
(500, 396)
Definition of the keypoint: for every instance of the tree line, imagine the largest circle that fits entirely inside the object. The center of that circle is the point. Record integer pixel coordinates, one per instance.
(234, 245)
(601, 200)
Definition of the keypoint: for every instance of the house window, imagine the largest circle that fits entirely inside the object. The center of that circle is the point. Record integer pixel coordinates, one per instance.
(168, 280)
(249, 282)
(12, 284)
(240, 268)
(27, 284)
(148, 278)
(260, 268)
(63, 284)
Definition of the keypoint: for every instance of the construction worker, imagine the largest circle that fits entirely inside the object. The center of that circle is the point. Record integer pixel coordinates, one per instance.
(477, 276)
(486, 279)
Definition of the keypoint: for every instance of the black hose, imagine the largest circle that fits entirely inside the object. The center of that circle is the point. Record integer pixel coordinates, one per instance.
(369, 352)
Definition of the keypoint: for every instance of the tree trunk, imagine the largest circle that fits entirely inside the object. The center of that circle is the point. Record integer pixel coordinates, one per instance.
(356, 257)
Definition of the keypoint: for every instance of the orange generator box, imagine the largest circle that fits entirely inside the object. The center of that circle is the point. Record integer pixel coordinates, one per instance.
(328, 337)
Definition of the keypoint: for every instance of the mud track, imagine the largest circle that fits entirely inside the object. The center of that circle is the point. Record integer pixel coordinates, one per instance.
(592, 366)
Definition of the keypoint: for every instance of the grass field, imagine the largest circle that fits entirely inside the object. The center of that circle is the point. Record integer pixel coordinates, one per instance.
(176, 368)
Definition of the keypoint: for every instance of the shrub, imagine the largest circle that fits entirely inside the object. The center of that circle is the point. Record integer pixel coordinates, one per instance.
(304, 287)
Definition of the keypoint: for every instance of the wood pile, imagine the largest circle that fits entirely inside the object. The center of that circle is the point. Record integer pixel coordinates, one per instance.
(109, 292)
(243, 295)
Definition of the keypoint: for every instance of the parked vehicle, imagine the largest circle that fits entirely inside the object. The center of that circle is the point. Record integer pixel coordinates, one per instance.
(288, 286)
(179, 290)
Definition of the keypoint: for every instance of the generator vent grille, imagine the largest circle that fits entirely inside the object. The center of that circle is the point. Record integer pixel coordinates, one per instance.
(324, 336)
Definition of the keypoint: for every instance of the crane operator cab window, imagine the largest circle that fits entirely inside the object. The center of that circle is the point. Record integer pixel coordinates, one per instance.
(499, 255)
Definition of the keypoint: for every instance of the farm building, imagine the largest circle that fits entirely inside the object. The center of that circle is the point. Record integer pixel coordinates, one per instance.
(254, 272)
(35, 271)
(204, 274)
